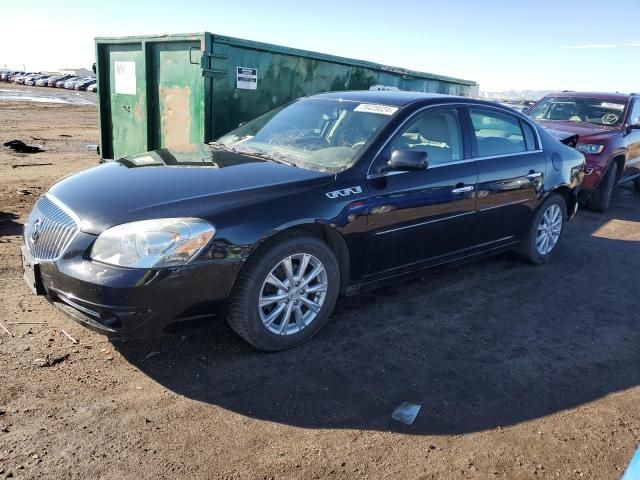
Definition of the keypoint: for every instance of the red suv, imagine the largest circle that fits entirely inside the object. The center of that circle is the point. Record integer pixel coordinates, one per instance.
(608, 130)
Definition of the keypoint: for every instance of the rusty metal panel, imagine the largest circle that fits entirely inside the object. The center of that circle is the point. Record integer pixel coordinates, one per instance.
(176, 93)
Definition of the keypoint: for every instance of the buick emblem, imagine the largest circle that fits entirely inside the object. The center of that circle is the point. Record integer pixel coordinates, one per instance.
(35, 230)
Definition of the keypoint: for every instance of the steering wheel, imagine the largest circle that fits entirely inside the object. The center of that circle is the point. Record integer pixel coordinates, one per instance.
(610, 118)
(357, 145)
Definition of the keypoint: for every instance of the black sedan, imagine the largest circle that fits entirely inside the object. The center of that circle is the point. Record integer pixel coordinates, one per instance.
(327, 195)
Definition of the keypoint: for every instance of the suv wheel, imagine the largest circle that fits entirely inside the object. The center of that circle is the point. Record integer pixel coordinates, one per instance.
(285, 293)
(601, 197)
(546, 230)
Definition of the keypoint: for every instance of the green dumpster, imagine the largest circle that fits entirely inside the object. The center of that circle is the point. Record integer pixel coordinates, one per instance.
(171, 90)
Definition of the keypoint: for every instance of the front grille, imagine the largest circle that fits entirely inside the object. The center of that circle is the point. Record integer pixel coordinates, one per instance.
(49, 229)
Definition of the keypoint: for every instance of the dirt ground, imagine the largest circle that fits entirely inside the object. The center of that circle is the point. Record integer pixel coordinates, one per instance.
(522, 372)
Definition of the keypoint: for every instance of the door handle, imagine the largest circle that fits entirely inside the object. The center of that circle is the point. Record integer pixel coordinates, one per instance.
(533, 175)
(468, 188)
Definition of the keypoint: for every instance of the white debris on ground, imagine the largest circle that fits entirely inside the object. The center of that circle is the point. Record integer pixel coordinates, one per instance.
(406, 413)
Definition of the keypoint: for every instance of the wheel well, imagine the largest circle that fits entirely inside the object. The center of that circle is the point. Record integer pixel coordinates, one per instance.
(619, 161)
(569, 199)
(337, 244)
(330, 236)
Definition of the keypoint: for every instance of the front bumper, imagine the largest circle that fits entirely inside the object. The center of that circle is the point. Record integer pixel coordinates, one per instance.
(122, 302)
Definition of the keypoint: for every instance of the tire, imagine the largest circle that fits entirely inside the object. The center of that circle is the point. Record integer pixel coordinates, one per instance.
(530, 248)
(253, 322)
(601, 197)
(636, 184)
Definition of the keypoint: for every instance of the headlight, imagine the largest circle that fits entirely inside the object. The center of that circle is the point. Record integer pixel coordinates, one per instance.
(164, 242)
(591, 148)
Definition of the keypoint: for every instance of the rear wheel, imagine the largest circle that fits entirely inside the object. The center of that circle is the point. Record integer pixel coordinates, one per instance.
(545, 231)
(285, 293)
(601, 197)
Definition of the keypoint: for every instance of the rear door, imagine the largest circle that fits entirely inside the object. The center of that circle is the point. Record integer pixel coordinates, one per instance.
(425, 215)
(511, 173)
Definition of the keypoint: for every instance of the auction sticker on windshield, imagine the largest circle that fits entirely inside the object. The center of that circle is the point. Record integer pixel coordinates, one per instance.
(373, 108)
(615, 106)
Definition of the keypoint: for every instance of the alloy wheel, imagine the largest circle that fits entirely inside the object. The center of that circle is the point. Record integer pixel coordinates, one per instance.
(549, 229)
(293, 293)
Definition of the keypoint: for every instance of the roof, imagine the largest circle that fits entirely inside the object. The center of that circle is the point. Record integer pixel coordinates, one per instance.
(393, 98)
(621, 97)
(399, 98)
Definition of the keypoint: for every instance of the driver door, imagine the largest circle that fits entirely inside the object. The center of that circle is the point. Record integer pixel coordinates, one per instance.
(426, 215)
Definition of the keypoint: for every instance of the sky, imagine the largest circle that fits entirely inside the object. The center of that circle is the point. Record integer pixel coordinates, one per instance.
(502, 45)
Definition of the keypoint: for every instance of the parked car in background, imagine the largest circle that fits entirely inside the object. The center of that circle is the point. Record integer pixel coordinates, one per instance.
(68, 83)
(71, 83)
(13, 75)
(517, 106)
(93, 87)
(60, 83)
(42, 81)
(51, 82)
(83, 84)
(31, 81)
(330, 193)
(608, 130)
(20, 79)
(6, 75)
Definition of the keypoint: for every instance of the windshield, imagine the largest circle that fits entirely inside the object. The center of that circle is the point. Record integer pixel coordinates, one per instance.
(319, 134)
(579, 109)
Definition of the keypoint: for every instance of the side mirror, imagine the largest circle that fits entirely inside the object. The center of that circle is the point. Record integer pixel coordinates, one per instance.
(408, 160)
(635, 124)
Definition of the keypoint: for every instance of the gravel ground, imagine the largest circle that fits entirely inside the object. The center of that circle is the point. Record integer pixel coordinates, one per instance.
(521, 372)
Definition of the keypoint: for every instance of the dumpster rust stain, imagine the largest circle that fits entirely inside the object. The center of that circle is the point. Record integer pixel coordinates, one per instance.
(176, 118)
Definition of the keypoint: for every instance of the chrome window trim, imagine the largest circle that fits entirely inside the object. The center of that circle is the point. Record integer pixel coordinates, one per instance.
(455, 162)
(509, 155)
(533, 125)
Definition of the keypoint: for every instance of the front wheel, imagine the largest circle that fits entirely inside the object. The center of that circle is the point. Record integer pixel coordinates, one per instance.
(285, 293)
(545, 231)
(601, 197)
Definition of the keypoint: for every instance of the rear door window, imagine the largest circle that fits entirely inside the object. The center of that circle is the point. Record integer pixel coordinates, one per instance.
(497, 133)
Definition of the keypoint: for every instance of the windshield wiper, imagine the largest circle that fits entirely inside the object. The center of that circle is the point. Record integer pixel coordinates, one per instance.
(221, 146)
(252, 153)
(266, 156)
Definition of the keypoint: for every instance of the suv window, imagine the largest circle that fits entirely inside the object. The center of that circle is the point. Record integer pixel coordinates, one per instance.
(497, 133)
(634, 117)
(436, 132)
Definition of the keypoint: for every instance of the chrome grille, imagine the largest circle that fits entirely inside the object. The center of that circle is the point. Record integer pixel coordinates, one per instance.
(50, 229)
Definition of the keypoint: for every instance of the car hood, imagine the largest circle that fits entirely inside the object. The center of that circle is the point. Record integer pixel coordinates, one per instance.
(581, 129)
(176, 183)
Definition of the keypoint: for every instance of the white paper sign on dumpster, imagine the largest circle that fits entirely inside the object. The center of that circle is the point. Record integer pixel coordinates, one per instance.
(125, 77)
(247, 78)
